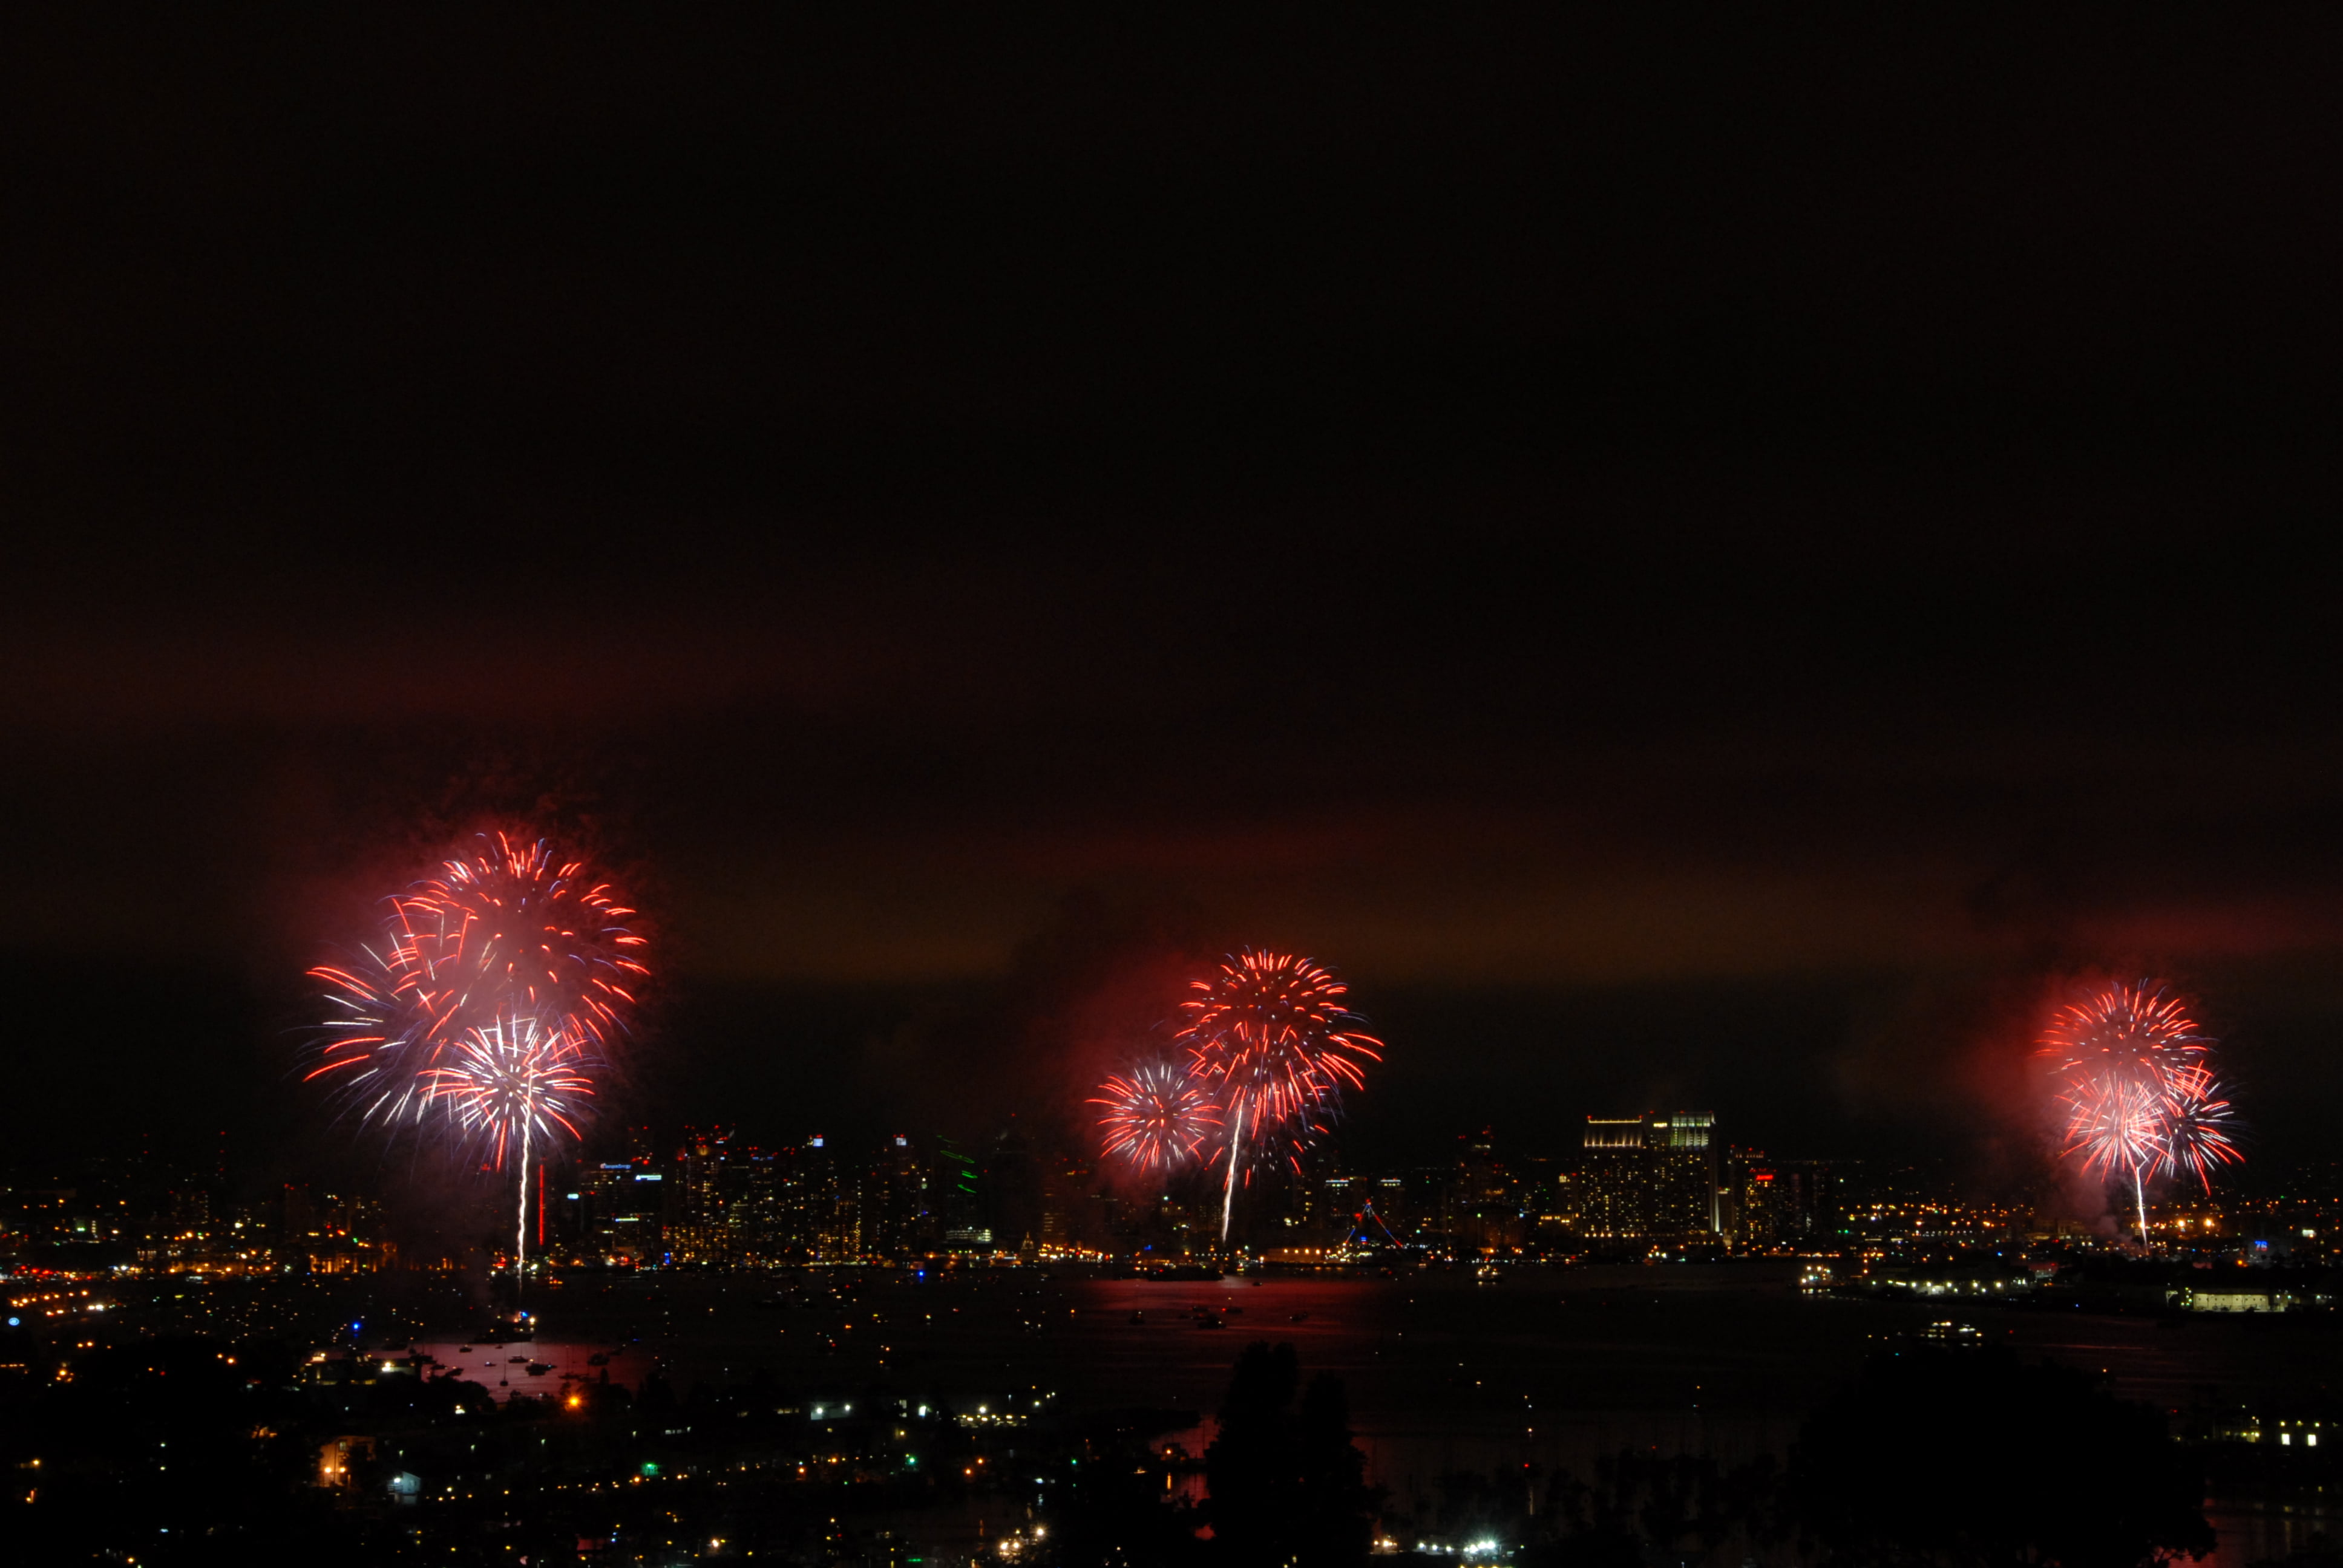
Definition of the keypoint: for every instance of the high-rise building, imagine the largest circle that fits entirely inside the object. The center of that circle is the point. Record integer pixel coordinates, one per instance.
(1685, 1203)
(638, 1216)
(1013, 1181)
(1648, 1175)
(697, 1232)
(896, 1217)
(1073, 1212)
(757, 1209)
(1484, 1209)
(1615, 1174)
(1747, 1202)
(1806, 1201)
(1417, 1207)
(601, 1193)
(1549, 1201)
(960, 1200)
(833, 1202)
(1329, 1204)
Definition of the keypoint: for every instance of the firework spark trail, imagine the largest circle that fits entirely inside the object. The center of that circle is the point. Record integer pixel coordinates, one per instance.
(1159, 1118)
(2112, 1125)
(1272, 1035)
(505, 1085)
(2140, 1097)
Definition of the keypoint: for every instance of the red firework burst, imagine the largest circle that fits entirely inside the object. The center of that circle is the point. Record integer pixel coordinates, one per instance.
(2130, 1032)
(1273, 1036)
(2131, 1071)
(511, 1085)
(2196, 1126)
(1159, 1118)
(508, 929)
(507, 1086)
(514, 927)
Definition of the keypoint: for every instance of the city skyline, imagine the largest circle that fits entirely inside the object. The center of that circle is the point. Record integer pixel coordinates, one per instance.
(1649, 1185)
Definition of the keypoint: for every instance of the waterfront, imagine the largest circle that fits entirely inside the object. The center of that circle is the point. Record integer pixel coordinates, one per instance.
(1549, 1368)
(1501, 1380)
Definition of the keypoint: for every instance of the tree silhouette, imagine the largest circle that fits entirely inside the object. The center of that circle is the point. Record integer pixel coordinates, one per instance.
(1965, 1458)
(1113, 1511)
(1286, 1485)
(1642, 1506)
(1336, 1519)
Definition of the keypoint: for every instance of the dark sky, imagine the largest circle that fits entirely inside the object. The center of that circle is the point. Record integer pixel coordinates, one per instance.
(1701, 557)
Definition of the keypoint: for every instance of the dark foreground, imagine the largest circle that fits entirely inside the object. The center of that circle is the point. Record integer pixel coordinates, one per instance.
(891, 1417)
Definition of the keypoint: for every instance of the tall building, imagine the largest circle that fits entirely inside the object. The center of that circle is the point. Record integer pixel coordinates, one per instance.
(1075, 1214)
(643, 1223)
(833, 1202)
(897, 1221)
(1747, 1202)
(601, 1191)
(960, 1200)
(1685, 1203)
(1807, 1202)
(1329, 1204)
(697, 1232)
(1417, 1206)
(1549, 1201)
(756, 1207)
(638, 1215)
(1484, 1209)
(1013, 1178)
(1648, 1175)
(1616, 1175)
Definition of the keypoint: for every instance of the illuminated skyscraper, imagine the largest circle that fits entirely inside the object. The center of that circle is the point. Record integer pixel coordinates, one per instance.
(1748, 1202)
(1615, 1174)
(897, 1221)
(696, 1231)
(1648, 1175)
(960, 1200)
(833, 1202)
(1685, 1201)
(1483, 1205)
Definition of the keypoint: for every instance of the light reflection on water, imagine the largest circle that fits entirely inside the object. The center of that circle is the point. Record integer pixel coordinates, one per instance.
(506, 1370)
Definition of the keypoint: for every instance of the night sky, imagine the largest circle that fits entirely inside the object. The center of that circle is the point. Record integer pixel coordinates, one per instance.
(1705, 562)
